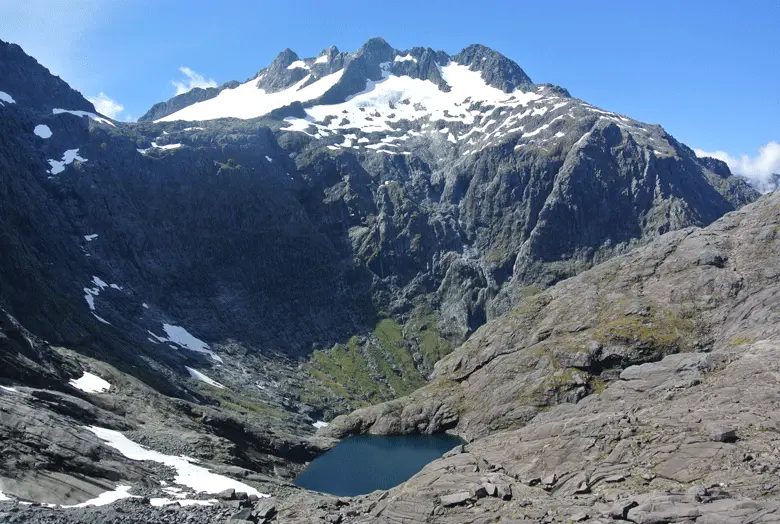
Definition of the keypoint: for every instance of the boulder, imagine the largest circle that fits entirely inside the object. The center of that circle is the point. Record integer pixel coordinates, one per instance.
(455, 499)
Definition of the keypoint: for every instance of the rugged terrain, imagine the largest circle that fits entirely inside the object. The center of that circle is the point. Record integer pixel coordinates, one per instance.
(248, 259)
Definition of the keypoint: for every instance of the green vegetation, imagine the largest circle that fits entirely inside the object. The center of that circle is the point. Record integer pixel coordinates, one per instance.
(239, 404)
(391, 361)
(741, 341)
(657, 330)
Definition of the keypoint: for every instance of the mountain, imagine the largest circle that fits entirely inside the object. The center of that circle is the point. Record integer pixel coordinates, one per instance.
(250, 259)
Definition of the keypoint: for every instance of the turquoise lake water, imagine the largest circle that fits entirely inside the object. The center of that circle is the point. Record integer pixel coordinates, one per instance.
(362, 464)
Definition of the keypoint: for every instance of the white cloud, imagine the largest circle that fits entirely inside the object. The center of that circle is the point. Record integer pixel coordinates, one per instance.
(107, 106)
(192, 81)
(758, 168)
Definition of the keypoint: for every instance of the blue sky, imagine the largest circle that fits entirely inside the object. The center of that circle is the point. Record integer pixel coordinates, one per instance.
(707, 70)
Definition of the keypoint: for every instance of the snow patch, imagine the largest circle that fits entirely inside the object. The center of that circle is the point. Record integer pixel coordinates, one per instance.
(42, 131)
(188, 474)
(10, 390)
(89, 383)
(194, 373)
(93, 116)
(320, 424)
(180, 336)
(248, 101)
(3, 496)
(324, 59)
(5, 97)
(109, 497)
(101, 319)
(406, 58)
(298, 64)
(269, 158)
(90, 238)
(412, 99)
(58, 166)
(145, 305)
(159, 502)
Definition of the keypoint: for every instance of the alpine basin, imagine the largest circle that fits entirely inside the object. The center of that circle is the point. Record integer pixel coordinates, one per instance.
(362, 464)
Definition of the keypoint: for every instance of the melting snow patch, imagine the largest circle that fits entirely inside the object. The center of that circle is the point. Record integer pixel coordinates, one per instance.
(93, 116)
(89, 296)
(42, 131)
(90, 238)
(188, 474)
(320, 424)
(407, 58)
(166, 146)
(101, 319)
(298, 64)
(58, 166)
(194, 373)
(179, 335)
(158, 502)
(89, 383)
(109, 497)
(5, 97)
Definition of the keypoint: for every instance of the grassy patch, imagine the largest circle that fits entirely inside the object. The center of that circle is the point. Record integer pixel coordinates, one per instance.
(741, 341)
(663, 330)
(391, 361)
(239, 404)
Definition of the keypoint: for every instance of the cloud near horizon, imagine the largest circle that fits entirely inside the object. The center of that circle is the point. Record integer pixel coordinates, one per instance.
(758, 168)
(108, 106)
(192, 81)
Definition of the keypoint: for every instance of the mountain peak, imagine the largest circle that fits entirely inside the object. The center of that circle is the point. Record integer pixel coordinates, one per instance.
(333, 77)
(497, 70)
(284, 59)
(376, 50)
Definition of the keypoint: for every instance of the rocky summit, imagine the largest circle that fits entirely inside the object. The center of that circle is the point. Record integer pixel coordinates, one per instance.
(392, 242)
